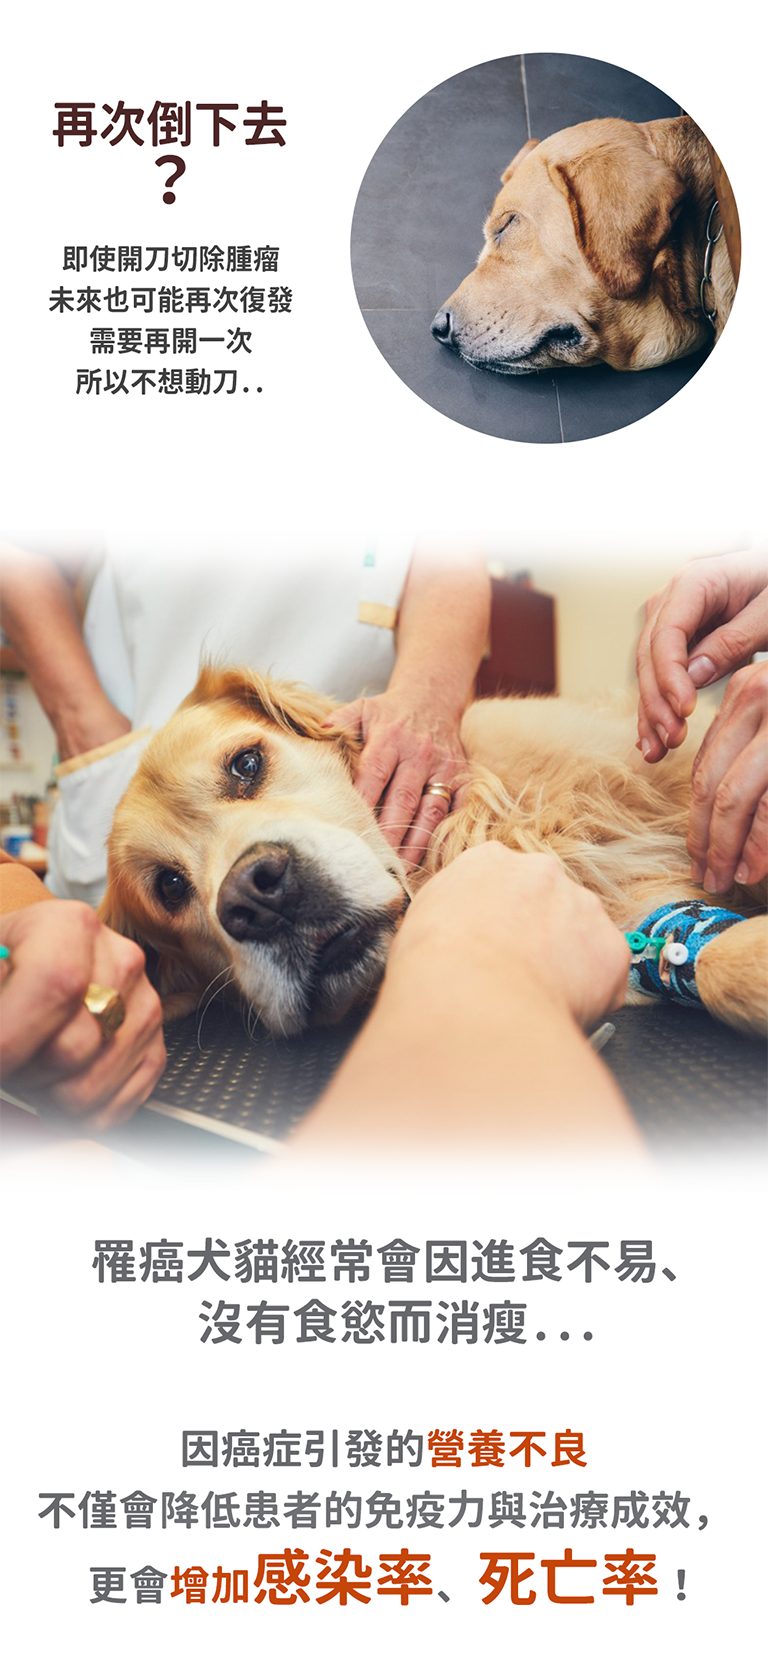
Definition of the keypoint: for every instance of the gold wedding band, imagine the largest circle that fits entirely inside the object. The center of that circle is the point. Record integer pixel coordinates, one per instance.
(106, 1005)
(437, 789)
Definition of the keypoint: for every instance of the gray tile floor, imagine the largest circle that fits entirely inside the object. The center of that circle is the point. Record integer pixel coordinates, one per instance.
(417, 231)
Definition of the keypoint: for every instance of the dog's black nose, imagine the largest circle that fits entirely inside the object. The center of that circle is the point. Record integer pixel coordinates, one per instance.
(269, 870)
(442, 328)
(259, 893)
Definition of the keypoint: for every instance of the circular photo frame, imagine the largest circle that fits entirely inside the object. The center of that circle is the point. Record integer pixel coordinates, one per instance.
(609, 258)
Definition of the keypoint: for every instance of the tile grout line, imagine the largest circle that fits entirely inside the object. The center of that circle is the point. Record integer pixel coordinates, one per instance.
(559, 411)
(525, 97)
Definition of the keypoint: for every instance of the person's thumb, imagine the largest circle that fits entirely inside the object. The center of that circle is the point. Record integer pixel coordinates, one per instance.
(730, 646)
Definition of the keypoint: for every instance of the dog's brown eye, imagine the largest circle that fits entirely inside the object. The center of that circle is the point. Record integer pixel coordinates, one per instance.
(172, 887)
(246, 766)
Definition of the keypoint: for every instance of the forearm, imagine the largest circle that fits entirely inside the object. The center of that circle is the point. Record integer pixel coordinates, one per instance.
(41, 622)
(442, 628)
(463, 1052)
(18, 886)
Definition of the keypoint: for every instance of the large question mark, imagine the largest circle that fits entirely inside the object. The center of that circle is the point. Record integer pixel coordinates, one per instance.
(179, 167)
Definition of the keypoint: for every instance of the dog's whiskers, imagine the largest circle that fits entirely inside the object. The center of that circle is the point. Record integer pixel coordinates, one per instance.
(396, 825)
(248, 1015)
(212, 992)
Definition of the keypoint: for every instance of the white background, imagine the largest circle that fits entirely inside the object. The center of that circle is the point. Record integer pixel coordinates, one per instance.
(101, 1381)
(335, 435)
(666, 1394)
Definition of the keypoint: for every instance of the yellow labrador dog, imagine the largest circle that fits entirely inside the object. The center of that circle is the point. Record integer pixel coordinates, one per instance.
(243, 858)
(595, 251)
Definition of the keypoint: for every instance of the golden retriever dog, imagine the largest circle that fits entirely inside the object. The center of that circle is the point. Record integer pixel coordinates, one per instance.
(244, 859)
(595, 251)
(241, 855)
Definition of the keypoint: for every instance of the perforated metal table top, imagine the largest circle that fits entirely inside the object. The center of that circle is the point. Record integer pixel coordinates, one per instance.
(248, 1082)
(687, 1079)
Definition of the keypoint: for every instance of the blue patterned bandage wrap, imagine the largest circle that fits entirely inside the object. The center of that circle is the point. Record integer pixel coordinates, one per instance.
(693, 923)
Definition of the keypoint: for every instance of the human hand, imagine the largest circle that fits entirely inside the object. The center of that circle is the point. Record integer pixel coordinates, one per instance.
(728, 825)
(494, 905)
(83, 727)
(49, 1042)
(408, 743)
(709, 620)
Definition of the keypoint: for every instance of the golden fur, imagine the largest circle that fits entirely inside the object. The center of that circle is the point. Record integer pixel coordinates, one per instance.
(185, 813)
(548, 775)
(597, 235)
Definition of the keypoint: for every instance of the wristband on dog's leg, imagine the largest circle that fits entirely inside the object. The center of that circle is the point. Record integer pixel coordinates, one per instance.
(666, 946)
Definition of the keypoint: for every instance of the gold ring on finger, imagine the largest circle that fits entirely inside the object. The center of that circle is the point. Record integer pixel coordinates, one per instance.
(437, 789)
(106, 1005)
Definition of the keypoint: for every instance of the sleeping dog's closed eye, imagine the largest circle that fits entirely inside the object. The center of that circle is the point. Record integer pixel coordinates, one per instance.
(499, 230)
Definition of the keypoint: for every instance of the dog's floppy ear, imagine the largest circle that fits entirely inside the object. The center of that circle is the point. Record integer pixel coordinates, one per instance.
(624, 201)
(530, 144)
(116, 914)
(172, 976)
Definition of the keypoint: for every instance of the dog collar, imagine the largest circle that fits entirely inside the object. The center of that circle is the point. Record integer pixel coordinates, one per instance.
(666, 946)
(711, 316)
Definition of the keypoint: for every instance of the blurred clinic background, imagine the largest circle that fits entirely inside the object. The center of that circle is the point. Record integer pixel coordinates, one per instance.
(558, 625)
